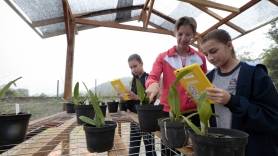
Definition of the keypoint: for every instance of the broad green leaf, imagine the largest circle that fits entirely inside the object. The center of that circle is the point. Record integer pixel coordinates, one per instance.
(140, 90)
(7, 86)
(204, 110)
(87, 120)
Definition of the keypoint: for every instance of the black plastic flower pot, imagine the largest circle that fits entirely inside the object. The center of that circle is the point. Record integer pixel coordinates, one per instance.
(173, 134)
(13, 129)
(103, 109)
(148, 116)
(100, 139)
(113, 106)
(220, 142)
(84, 110)
(70, 107)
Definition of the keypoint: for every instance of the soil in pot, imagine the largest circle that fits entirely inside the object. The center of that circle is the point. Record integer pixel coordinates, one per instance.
(173, 134)
(85, 110)
(113, 106)
(13, 129)
(220, 142)
(100, 139)
(70, 107)
(148, 116)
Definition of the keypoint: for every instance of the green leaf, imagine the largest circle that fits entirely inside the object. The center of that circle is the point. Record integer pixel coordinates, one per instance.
(141, 92)
(99, 117)
(173, 100)
(193, 126)
(7, 86)
(87, 120)
(76, 97)
(204, 111)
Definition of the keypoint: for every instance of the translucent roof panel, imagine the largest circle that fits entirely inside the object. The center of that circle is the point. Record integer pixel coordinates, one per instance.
(46, 17)
(158, 21)
(260, 13)
(231, 31)
(40, 9)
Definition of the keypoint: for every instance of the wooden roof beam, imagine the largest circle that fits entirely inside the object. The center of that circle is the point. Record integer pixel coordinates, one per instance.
(88, 14)
(211, 4)
(231, 16)
(149, 12)
(120, 26)
(143, 14)
(218, 17)
(167, 18)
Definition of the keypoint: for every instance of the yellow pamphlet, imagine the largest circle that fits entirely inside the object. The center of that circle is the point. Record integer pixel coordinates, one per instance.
(120, 88)
(195, 82)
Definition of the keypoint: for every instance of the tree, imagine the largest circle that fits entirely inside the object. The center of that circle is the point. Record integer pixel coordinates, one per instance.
(270, 57)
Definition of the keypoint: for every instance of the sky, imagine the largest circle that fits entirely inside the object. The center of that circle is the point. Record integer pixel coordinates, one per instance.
(100, 54)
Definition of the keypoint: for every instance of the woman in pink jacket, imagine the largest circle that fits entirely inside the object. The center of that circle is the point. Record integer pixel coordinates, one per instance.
(176, 57)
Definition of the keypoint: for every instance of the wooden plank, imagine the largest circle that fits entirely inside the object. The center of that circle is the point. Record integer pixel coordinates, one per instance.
(218, 17)
(231, 16)
(167, 18)
(119, 147)
(43, 143)
(149, 12)
(121, 26)
(211, 4)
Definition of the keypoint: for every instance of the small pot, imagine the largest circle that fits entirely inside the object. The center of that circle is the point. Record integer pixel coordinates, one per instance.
(148, 116)
(70, 107)
(100, 139)
(113, 106)
(13, 129)
(173, 134)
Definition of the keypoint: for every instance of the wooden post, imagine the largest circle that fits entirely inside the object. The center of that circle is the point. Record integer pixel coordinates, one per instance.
(70, 31)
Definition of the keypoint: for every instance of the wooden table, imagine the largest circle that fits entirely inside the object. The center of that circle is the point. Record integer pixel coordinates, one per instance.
(69, 139)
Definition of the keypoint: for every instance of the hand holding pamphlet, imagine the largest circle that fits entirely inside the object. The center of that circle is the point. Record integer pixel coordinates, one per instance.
(195, 82)
(120, 88)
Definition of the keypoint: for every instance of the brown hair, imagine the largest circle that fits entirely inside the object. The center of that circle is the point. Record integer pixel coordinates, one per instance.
(219, 35)
(184, 21)
(135, 57)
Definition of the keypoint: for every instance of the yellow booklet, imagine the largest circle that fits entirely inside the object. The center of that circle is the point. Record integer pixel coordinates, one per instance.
(195, 82)
(120, 88)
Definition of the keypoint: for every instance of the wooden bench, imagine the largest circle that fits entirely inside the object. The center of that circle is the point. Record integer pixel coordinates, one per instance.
(69, 139)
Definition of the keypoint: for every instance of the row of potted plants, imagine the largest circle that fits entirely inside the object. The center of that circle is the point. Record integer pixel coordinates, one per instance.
(175, 130)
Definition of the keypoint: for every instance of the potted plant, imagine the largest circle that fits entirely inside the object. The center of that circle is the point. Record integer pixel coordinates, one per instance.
(13, 126)
(99, 133)
(214, 141)
(81, 107)
(148, 113)
(209, 141)
(113, 106)
(69, 106)
(174, 131)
